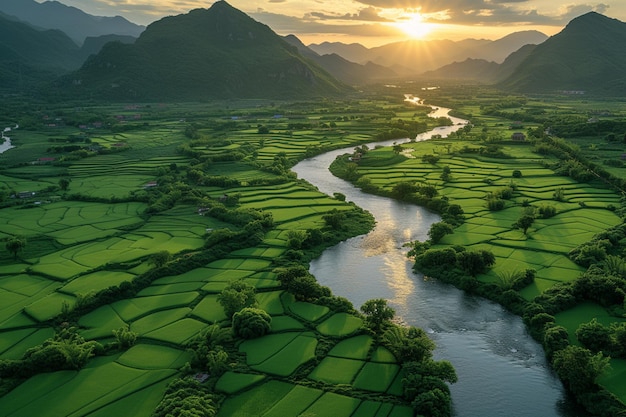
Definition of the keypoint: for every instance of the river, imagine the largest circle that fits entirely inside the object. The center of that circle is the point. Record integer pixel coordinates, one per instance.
(6, 141)
(502, 371)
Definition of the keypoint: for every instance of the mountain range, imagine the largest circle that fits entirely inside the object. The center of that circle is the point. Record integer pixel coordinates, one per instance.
(221, 52)
(75, 23)
(409, 57)
(218, 52)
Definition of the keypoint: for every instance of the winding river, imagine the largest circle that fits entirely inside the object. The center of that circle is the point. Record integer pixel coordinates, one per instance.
(502, 371)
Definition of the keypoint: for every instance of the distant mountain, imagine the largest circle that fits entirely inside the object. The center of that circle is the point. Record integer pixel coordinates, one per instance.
(94, 44)
(30, 56)
(354, 52)
(470, 69)
(416, 56)
(587, 55)
(349, 72)
(218, 52)
(77, 24)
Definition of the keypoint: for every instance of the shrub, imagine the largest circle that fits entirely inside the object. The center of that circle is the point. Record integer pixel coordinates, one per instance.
(250, 323)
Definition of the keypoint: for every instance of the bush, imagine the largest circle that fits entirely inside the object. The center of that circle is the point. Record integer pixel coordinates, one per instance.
(250, 323)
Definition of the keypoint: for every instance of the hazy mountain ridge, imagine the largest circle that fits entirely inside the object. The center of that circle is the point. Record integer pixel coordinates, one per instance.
(587, 55)
(418, 56)
(344, 70)
(30, 56)
(218, 52)
(77, 24)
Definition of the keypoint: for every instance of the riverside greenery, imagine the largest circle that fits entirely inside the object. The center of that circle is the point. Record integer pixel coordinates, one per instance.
(139, 221)
(536, 225)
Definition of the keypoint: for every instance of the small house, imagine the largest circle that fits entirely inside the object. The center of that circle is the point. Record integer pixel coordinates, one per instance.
(518, 136)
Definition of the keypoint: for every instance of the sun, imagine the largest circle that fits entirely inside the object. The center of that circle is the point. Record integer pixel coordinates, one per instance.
(413, 25)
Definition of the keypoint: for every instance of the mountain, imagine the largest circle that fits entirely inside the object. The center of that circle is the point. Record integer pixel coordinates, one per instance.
(77, 24)
(470, 69)
(354, 52)
(94, 44)
(348, 72)
(418, 56)
(30, 56)
(218, 52)
(587, 55)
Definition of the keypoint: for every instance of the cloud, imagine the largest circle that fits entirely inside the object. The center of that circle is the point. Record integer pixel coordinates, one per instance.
(369, 14)
(489, 12)
(321, 23)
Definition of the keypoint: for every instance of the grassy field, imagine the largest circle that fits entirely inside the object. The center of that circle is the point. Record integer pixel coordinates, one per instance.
(119, 185)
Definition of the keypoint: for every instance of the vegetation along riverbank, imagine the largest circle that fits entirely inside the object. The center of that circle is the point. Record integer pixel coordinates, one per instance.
(156, 260)
(531, 195)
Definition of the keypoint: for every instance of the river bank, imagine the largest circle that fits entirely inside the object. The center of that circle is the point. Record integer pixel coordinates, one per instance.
(499, 365)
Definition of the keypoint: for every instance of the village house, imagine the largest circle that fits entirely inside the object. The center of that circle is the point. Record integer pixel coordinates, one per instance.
(518, 136)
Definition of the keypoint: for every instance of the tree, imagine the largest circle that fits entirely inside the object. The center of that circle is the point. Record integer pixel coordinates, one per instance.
(408, 343)
(579, 369)
(160, 258)
(249, 323)
(594, 336)
(438, 231)
(524, 222)
(15, 245)
(377, 313)
(64, 184)
(125, 337)
(237, 295)
(334, 219)
(475, 262)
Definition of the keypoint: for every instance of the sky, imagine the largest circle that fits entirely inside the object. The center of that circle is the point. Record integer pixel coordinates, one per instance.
(377, 22)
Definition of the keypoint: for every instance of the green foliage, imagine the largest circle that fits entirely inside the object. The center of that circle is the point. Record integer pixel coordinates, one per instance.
(378, 314)
(334, 219)
(408, 344)
(555, 338)
(579, 369)
(524, 222)
(249, 323)
(237, 295)
(15, 245)
(475, 262)
(124, 337)
(594, 336)
(186, 398)
(438, 230)
(160, 258)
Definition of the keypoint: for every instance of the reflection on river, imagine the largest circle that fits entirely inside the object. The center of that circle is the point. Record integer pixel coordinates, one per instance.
(502, 370)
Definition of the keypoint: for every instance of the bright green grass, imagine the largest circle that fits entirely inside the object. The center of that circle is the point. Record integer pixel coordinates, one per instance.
(271, 302)
(142, 356)
(170, 289)
(295, 402)
(158, 319)
(233, 382)
(131, 309)
(331, 404)
(614, 381)
(292, 355)
(583, 313)
(376, 377)
(82, 392)
(256, 401)
(336, 370)
(100, 323)
(340, 324)
(49, 306)
(355, 347)
(17, 342)
(382, 354)
(308, 311)
(209, 310)
(179, 332)
(96, 281)
(285, 323)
